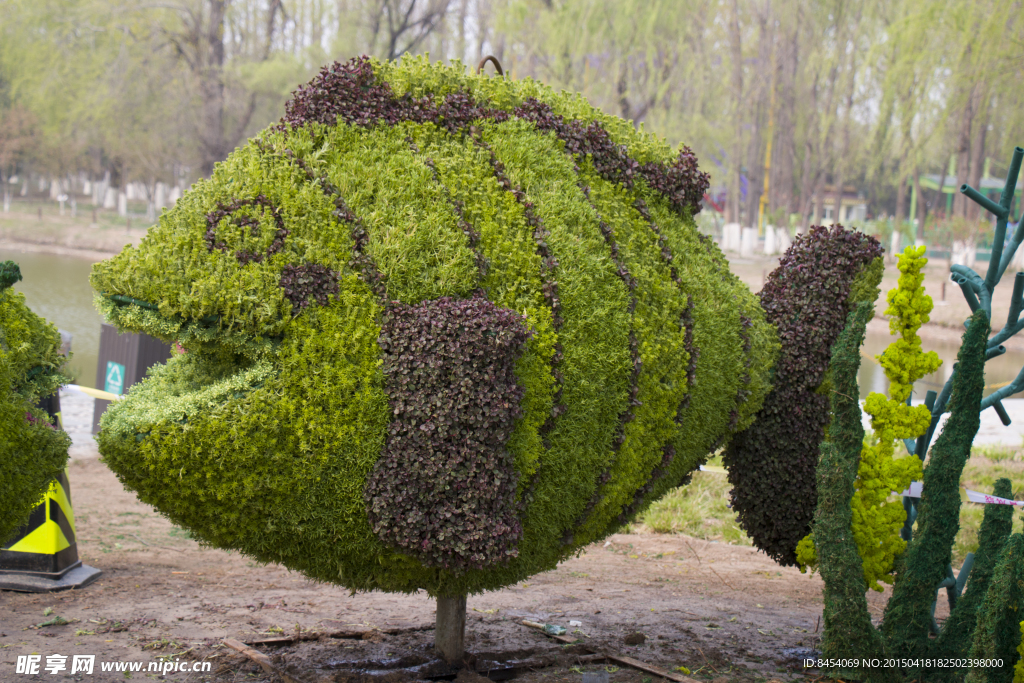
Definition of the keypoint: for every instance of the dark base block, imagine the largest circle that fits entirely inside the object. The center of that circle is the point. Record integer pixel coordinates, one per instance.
(78, 576)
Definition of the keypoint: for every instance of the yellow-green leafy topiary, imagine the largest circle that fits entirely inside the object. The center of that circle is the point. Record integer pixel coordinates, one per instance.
(442, 330)
(33, 452)
(876, 519)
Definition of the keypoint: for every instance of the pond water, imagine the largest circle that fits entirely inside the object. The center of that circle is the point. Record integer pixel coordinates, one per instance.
(998, 371)
(57, 287)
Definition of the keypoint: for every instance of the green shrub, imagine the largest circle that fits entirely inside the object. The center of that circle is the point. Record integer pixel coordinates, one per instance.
(997, 635)
(33, 452)
(393, 190)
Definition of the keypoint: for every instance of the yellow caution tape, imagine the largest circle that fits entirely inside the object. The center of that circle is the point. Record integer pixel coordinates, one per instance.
(95, 393)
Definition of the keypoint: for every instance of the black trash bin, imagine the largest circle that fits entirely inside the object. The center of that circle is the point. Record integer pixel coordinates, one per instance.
(124, 359)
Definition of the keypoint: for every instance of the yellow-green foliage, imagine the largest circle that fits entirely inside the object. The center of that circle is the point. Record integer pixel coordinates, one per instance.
(32, 453)
(876, 519)
(1018, 668)
(261, 437)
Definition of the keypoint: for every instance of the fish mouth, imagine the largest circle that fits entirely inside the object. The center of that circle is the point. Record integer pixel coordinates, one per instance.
(210, 369)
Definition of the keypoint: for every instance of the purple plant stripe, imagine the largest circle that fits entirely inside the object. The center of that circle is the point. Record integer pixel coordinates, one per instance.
(549, 288)
(214, 218)
(693, 352)
(472, 235)
(680, 181)
(444, 488)
(636, 364)
(743, 393)
(352, 92)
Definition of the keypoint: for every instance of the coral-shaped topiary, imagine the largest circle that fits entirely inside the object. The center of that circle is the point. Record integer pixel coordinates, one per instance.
(997, 633)
(442, 331)
(844, 593)
(771, 465)
(955, 640)
(907, 620)
(33, 452)
(876, 519)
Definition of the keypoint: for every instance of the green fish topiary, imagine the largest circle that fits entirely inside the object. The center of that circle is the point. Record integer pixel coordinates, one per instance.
(440, 332)
(33, 452)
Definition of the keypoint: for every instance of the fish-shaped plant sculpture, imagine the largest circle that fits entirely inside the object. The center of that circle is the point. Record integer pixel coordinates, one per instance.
(440, 331)
(33, 452)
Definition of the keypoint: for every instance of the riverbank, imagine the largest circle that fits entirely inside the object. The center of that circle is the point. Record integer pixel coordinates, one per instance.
(37, 230)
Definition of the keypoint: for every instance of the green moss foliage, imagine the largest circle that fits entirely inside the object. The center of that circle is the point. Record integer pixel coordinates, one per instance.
(392, 190)
(33, 452)
(998, 633)
(956, 636)
(772, 464)
(847, 621)
(907, 615)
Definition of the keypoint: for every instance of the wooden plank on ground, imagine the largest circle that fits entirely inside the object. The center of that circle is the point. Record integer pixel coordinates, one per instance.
(261, 659)
(651, 669)
(348, 633)
(626, 661)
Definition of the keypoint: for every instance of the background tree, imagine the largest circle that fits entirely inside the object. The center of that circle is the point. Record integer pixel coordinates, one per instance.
(872, 95)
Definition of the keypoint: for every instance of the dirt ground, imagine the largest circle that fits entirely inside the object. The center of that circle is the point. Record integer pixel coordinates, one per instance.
(722, 612)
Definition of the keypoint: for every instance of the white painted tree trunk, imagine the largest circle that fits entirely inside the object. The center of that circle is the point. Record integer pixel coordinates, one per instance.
(161, 196)
(770, 247)
(894, 244)
(784, 241)
(748, 242)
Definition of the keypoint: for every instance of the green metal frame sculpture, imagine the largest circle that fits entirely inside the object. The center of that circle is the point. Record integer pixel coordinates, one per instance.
(978, 294)
(982, 621)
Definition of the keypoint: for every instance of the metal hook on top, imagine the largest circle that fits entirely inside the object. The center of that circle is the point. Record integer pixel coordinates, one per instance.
(493, 60)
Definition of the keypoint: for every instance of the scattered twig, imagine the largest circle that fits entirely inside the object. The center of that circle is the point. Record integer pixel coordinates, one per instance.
(706, 662)
(261, 659)
(651, 669)
(816, 623)
(692, 551)
(720, 577)
(161, 547)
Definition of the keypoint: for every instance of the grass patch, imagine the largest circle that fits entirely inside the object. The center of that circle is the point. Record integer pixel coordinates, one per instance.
(986, 464)
(701, 508)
